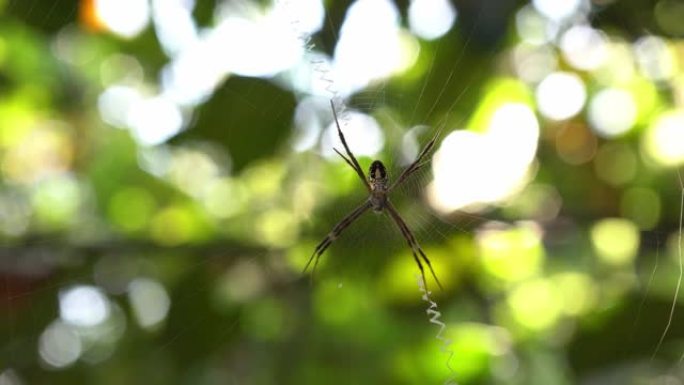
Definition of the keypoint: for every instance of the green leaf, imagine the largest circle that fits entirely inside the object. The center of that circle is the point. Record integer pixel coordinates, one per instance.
(250, 117)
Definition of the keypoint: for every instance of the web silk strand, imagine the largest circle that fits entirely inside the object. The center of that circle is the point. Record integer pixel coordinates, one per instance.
(435, 315)
(681, 270)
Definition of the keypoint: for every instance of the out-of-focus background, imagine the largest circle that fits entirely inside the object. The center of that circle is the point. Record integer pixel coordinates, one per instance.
(167, 168)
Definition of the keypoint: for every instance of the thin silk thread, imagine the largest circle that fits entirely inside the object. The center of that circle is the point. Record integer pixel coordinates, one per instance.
(321, 67)
(435, 315)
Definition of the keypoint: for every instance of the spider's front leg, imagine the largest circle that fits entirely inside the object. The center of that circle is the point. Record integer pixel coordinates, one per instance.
(418, 163)
(351, 161)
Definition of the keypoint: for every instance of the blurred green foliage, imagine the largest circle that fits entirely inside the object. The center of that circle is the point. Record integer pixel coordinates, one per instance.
(179, 261)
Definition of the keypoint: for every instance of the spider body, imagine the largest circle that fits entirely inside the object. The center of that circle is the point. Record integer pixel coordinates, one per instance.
(377, 176)
(379, 188)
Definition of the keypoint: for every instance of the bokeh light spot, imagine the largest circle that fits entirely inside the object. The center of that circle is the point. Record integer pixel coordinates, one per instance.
(535, 305)
(56, 201)
(561, 95)
(641, 205)
(557, 10)
(277, 228)
(615, 240)
(155, 120)
(578, 292)
(42, 153)
(360, 56)
(612, 112)
(174, 25)
(430, 19)
(225, 197)
(503, 153)
(83, 306)
(584, 47)
(512, 254)
(261, 47)
(362, 133)
(131, 208)
(655, 58)
(175, 225)
(150, 302)
(575, 143)
(616, 163)
(534, 63)
(664, 139)
(532, 27)
(242, 283)
(116, 103)
(126, 18)
(59, 345)
(9, 377)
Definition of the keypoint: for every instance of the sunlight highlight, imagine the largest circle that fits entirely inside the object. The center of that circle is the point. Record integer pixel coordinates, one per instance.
(533, 28)
(361, 56)
(615, 240)
(578, 291)
(192, 76)
(557, 10)
(663, 142)
(126, 18)
(116, 103)
(152, 120)
(60, 345)
(561, 95)
(362, 132)
(308, 15)
(534, 63)
(150, 302)
(83, 306)
(612, 112)
(155, 120)
(511, 254)
(9, 377)
(536, 304)
(174, 25)
(474, 168)
(261, 47)
(584, 48)
(430, 19)
(656, 60)
(247, 40)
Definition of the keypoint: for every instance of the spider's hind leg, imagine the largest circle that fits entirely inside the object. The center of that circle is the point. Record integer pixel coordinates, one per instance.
(316, 256)
(413, 244)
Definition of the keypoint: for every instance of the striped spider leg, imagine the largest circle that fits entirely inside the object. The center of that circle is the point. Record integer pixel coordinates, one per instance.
(378, 200)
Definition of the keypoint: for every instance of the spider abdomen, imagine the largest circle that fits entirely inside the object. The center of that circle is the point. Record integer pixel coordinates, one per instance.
(378, 200)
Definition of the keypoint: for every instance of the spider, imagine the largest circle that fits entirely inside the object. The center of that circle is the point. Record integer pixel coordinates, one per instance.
(378, 187)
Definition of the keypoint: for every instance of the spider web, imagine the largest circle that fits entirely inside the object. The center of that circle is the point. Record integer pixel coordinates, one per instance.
(378, 231)
(433, 228)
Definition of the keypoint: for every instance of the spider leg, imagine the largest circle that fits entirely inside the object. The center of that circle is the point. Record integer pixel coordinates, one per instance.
(412, 242)
(413, 251)
(334, 233)
(345, 158)
(352, 160)
(418, 163)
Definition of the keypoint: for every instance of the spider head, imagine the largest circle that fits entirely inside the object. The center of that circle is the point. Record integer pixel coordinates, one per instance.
(377, 174)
